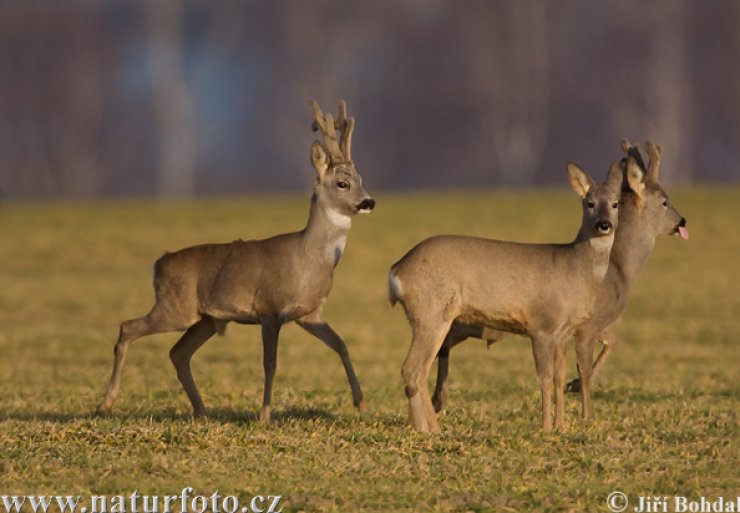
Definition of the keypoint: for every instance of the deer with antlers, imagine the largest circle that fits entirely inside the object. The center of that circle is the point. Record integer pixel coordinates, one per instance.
(268, 282)
(645, 213)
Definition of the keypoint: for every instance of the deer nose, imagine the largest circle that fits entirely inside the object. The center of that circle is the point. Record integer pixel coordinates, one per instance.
(604, 226)
(366, 205)
(682, 222)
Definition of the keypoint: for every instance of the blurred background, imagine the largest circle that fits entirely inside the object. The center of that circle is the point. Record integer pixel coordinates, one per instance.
(180, 99)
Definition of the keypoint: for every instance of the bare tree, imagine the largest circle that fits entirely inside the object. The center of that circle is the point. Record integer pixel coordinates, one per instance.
(52, 101)
(171, 95)
(668, 113)
(513, 66)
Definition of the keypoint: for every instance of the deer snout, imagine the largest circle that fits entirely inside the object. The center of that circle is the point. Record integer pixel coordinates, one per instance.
(366, 206)
(604, 227)
(681, 230)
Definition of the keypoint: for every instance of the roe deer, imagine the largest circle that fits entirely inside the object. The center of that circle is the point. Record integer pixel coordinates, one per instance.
(644, 213)
(268, 282)
(545, 291)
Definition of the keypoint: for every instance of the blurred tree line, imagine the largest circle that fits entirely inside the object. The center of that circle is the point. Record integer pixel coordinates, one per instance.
(178, 98)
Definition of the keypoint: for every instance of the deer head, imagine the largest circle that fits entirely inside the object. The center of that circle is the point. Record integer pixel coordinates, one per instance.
(655, 210)
(338, 184)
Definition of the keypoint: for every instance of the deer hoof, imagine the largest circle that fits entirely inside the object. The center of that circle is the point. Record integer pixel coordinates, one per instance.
(362, 407)
(265, 414)
(103, 411)
(573, 386)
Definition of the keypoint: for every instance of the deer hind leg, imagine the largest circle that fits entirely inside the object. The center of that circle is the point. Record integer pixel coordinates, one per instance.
(155, 322)
(427, 340)
(609, 340)
(439, 398)
(315, 324)
(270, 331)
(457, 334)
(181, 354)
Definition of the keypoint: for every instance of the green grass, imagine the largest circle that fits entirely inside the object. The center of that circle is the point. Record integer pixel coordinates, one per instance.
(666, 403)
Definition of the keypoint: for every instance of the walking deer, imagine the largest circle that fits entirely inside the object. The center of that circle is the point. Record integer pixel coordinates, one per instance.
(544, 291)
(269, 282)
(644, 213)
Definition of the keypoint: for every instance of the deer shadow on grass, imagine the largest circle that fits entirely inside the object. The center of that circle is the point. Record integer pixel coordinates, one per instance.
(219, 415)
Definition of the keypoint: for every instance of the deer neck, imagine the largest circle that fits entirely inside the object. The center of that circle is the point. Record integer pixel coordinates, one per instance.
(325, 234)
(633, 244)
(594, 253)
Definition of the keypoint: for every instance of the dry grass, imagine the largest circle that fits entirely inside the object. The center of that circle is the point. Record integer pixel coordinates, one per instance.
(666, 405)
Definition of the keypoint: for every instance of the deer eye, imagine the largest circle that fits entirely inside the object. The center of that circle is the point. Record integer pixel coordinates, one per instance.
(343, 185)
(665, 203)
(590, 204)
(615, 205)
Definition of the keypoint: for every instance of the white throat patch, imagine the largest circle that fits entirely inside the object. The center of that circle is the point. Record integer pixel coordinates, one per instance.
(601, 244)
(603, 247)
(337, 219)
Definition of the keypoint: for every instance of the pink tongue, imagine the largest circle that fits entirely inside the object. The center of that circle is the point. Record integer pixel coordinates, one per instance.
(683, 232)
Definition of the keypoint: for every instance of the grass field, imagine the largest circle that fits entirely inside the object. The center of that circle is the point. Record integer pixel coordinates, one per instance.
(666, 404)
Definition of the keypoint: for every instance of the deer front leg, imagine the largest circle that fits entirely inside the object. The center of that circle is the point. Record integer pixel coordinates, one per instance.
(543, 350)
(270, 332)
(315, 324)
(181, 354)
(559, 368)
(585, 356)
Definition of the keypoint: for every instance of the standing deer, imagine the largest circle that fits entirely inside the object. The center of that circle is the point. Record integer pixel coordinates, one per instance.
(545, 291)
(269, 282)
(644, 213)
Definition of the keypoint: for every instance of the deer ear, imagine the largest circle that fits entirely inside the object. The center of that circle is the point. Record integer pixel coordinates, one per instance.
(319, 158)
(616, 175)
(635, 177)
(579, 180)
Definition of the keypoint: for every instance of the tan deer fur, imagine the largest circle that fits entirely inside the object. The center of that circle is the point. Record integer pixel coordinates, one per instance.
(544, 291)
(644, 213)
(269, 282)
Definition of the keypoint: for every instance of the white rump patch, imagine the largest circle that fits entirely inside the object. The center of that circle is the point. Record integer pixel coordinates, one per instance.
(337, 219)
(394, 286)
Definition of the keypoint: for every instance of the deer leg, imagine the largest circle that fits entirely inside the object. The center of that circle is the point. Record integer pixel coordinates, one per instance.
(426, 343)
(453, 338)
(181, 354)
(543, 360)
(130, 331)
(585, 356)
(439, 398)
(609, 340)
(559, 383)
(457, 334)
(270, 332)
(315, 324)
